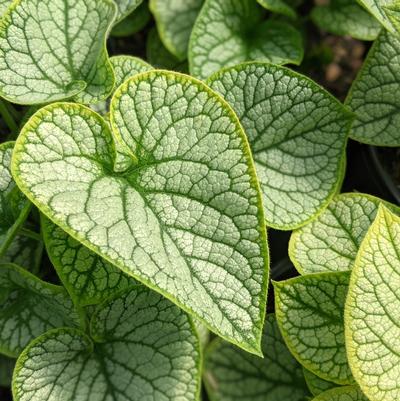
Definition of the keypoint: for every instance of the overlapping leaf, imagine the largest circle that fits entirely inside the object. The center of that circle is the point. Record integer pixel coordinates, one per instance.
(125, 7)
(317, 385)
(141, 347)
(132, 23)
(381, 10)
(331, 241)
(297, 132)
(373, 310)
(175, 20)
(186, 219)
(285, 7)
(344, 17)
(55, 49)
(309, 311)
(234, 375)
(347, 393)
(229, 32)
(29, 307)
(373, 95)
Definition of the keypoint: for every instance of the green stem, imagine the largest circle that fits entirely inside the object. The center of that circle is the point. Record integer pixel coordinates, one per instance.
(8, 118)
(30, 234)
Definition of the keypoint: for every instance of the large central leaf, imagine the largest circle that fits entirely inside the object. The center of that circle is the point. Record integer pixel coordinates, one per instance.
(186, 219)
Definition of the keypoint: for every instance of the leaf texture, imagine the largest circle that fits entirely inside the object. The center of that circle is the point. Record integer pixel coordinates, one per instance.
(347, 393)
(380, 9)
(317, 385)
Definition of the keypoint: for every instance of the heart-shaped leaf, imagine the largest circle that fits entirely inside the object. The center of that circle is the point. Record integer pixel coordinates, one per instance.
(344, 17)
(186, 219)
(233, 375)
(88, 277)
(229, 32)
(347, 393)
(331, 241)
(141, 347)
(29, 307)
(372, 311)
(373, 94)
(317, 385)
(309, 311)
(297, 132)
(380, 9)
(284, 7)
(55, 49)
(175, 20)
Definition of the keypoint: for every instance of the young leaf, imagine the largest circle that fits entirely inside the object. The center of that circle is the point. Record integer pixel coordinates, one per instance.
(6, 370)
(347, 393)
(187, 220)
(380, 9)
(125, 7)
(29, 307)
(14, 208)
(297, 132)
(234, 375)
(159, 56)
(142, 347)
(132, 23)
(175, 20)
(315, 384)
(373, 94)
(372, 310)
(344, 17)
(55, 49)
(88, 277)
(309, 311)
(331, 241)
(285, 7)
(229, 32)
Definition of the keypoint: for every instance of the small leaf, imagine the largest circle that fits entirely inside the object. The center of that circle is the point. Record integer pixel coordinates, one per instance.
(88, 277)
(29, 307)
(284, 7)
(160, 57)
(186, 220)
(229, 32)
(125, 7)
(233, 375)
(297, 132)
(331, 241)
(378, 8)
(344, 17)
(373, 95)
(372, 312)
(132, 23)
(141, 348)
(175, 20)
(41, 62)
(316, 384)
(347, 393)
(6, 370)
(309, 311)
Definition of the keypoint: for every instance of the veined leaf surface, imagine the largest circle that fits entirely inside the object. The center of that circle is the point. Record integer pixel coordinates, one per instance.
(346, 393)
(317, 385)
(186, 219)
(285, 7)
(132, 23)
(141, 347)
(372, 313)
(125, 7)
(380, 9)
(55, 49)
(229, 32)
(297, 133)
(309, 311)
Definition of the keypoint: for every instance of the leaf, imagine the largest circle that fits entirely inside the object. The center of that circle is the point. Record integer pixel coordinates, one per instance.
(229, 32)
(298, 135)
(347, 393)
(378, 8)
(175, 20)
(132, 23)
(280, 7)
(55, 49)
(14, 208)
(186, 220)
(126, 7)
(372, 310)
(316, 384)
(6, 370)
(233, 375)
(88, 278)
(29, 307)
(160, 57)
(309, 310)
(346, 17)
(373, 95)
(4, 4)
(331, 241)
(141, 348)
(126, 67)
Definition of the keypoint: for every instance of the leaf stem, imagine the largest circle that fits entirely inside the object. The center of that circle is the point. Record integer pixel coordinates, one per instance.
(26, 232)
(7, 116)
